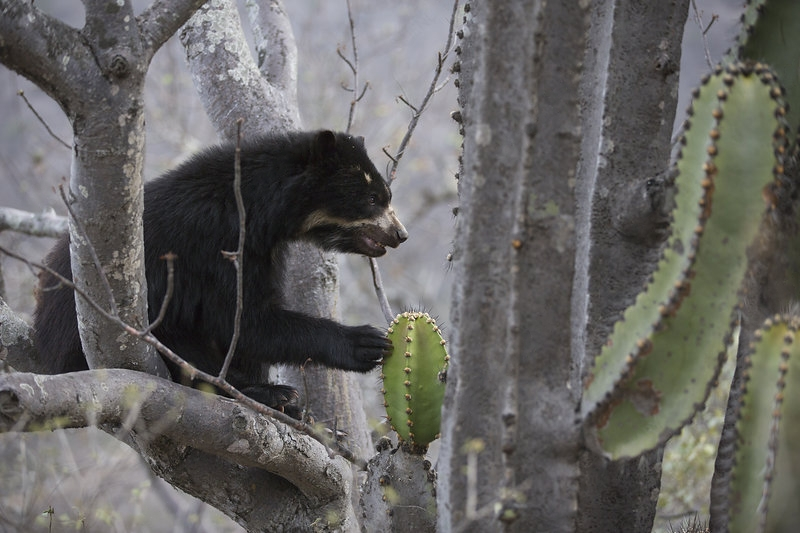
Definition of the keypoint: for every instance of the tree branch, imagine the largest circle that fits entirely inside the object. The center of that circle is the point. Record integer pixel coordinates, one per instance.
(432, 89)
(354, 69)
(30, 402)
(237, 257)
(16, 341)
(161, 19)
(46, 224)
(34, 44)
(42, 121)
(275, 45)
(187, 368)
(226, 77)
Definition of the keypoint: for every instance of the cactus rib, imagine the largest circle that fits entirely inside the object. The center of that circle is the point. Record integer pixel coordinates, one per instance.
(658, 366)
(763, 480)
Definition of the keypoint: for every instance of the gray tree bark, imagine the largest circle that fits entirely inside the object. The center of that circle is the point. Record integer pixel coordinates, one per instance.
(567, 112)
(629, 91)
(513, 383)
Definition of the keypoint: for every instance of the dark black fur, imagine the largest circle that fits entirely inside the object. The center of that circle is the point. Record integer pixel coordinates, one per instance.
(297, 186)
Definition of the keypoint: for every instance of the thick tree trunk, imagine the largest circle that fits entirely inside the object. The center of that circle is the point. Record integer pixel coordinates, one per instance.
(567, 111)
(513, 385)
(629, 94)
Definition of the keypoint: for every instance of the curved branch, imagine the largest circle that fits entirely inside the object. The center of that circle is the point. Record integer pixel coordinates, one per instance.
(161, 19)
(275, 45)
(157, 408)
(16, 341)
(432, 89)
(41, 48)
(227, 78)
(46, 224)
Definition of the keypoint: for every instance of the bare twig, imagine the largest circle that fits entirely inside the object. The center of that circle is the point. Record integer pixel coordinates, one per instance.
(392, 174)
(38, 116)
(357, 96)
(376, 275)
(349, 64)
(238, 256)
(381, 294)
(169, 257)
(112, 304)
(409, 104)
(699, 19)
(432, 89)
(385, 150)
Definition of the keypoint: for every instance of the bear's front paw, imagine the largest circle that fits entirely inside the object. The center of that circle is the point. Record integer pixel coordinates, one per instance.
(276, 396)
(370, 345)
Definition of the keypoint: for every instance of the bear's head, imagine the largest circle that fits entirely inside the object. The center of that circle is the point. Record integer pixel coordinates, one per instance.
(352, 211)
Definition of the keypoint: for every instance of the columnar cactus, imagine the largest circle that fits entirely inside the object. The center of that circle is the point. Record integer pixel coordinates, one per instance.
(661, 360)
(413, 378)
(764, 488)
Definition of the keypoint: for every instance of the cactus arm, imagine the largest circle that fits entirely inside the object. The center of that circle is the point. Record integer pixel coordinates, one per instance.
(769, 34)
(763, 481)
(784, 512)
(413, 378)
(668, 371)
(754, 429)
(639, 321)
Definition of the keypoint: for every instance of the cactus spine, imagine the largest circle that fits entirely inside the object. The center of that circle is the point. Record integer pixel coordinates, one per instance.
(413, 378)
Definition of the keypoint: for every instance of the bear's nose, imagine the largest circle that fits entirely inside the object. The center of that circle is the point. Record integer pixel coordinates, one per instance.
(399, 230)
(402, 234)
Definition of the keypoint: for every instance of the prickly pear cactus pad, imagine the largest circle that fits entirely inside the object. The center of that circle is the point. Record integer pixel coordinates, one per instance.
(413, 378)
(657, 367)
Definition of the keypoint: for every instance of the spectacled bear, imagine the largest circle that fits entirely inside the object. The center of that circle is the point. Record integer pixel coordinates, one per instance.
(319, 187)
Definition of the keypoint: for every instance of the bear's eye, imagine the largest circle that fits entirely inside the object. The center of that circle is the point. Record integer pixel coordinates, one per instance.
(373, 199)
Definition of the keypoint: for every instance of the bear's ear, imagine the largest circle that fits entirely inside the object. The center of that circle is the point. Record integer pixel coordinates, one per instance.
(360, 140)
(324, 143)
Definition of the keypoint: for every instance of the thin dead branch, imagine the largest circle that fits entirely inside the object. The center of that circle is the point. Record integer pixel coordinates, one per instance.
(432, 89)
(377, 282)
(42, 121)
(704, 30)
(353, 65)
(238, 256)
(162, 312)
(112, 303)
